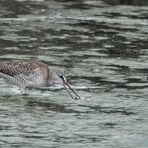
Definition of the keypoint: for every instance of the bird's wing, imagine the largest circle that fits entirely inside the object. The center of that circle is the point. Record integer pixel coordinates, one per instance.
(16, 68)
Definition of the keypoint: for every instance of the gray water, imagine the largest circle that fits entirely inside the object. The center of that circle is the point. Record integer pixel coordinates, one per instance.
(103, 48)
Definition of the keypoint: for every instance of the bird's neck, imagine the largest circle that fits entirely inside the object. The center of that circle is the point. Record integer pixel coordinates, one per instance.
(50, 81)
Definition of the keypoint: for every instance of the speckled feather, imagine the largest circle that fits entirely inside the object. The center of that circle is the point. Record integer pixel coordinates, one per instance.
(22, 67)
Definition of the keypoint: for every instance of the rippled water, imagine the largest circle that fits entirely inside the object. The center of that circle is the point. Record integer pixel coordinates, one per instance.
(102, 47)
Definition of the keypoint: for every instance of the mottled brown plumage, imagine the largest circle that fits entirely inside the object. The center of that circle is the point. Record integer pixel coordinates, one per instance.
(23, 67)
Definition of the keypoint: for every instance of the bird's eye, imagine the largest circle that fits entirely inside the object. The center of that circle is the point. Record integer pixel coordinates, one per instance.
(61, 77)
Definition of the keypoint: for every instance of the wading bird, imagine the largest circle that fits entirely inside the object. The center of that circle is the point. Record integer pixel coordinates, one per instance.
(33, 74)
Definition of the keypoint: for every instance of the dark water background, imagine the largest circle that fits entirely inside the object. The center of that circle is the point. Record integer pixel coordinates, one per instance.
(103, 47)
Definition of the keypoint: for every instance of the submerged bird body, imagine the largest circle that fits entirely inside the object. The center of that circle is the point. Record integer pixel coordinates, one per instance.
(27, 74)
(32, 74)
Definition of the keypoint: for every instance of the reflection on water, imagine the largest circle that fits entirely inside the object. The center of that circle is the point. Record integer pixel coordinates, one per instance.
(102, 47)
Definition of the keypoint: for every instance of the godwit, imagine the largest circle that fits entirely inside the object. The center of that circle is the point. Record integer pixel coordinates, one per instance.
(33, 74)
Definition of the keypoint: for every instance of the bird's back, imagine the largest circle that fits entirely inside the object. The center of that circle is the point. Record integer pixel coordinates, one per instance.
(25, 72)
(19, 67)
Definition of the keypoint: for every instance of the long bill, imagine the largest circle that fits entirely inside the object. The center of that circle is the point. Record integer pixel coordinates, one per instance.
(77, 96)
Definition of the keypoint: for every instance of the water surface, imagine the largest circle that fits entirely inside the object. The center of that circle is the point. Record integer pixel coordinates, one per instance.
(102, 47)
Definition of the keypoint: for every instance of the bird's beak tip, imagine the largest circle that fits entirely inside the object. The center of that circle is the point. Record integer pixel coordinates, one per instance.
(77, 97)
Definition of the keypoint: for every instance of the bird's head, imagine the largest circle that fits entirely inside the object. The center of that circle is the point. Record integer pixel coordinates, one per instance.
(58, 77)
